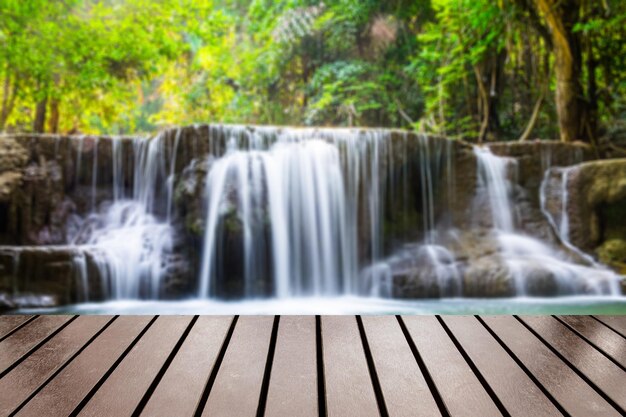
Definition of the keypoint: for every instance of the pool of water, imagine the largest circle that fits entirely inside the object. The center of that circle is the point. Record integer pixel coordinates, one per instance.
(353, 305)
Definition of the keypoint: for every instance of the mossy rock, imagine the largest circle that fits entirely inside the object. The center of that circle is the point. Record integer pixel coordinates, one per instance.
(613, 253)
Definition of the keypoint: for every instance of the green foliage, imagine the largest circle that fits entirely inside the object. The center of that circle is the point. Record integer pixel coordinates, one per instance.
(463, 34)
(457, 67)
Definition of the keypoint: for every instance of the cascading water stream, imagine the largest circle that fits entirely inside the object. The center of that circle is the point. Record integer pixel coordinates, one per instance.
(524, 255)
(125, 239)
(292, 212)
(431, 263)
(561, 226)
(294, 195)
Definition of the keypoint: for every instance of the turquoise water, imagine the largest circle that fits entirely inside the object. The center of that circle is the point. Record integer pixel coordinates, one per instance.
(353, 305)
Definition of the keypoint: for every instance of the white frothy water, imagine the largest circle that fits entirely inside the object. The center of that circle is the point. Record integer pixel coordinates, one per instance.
(295, 195)
(527, 258)
(124, 239)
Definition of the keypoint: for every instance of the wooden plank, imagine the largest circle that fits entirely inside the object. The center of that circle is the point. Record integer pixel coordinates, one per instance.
(403, 386)
(617, 323)
(10, 323)
(349, 390)
(571, 391)
(607, 376)
(123, 390)
(293, 382)
(193, 364)
(21, 342)
(65, 392)
(461, 391)
(517, 392)
(237, 387)
(602, 337)
(29, 375)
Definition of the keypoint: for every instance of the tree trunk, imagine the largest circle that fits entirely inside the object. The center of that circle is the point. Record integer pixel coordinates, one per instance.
(53, 121)
(489, 81)
(533, 120)
(9, 95)
(5, 101)
(561, 17)
(483, 104)
(39, 123)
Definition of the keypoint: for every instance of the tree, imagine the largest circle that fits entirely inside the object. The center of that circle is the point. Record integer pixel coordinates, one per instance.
(478, 69)
(561, 18)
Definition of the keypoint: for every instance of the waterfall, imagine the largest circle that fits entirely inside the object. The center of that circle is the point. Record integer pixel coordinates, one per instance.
(431, 162)
(294, 196)
(94, 176)
(561, 226)
(270, 212)
(298, 189)
(493, 176)
(125, 239)
(527, 257)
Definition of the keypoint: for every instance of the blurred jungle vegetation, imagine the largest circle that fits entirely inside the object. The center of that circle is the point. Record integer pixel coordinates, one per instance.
(478, 69)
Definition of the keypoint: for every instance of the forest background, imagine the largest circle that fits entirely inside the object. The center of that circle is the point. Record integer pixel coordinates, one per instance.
(477, 69)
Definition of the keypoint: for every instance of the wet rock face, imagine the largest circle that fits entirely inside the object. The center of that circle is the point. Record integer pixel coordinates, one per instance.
(42, 204)
(46, 178)
(596, 202)
(13, 159)
(188, 195)
(533, 159)
(469, 265)
(12, 154)
(178, 279)
(45, 271)
(428, 271)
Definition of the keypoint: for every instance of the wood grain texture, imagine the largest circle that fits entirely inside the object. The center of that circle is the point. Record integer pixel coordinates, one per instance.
(179, 392)
(349, 390)
(404, 388)
(21, 342)
(517, 392)
(293, 383)
(607, 376)
(237, 387)
(10, 323)
(571, 391)
(18, 384)
(603, 338)
(461, 391)
(125, 387)
(64, 393)
(617, 323)
(185, 366)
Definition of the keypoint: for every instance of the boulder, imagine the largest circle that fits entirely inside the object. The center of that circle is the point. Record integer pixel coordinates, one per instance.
(418, 271)
(488, 277)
